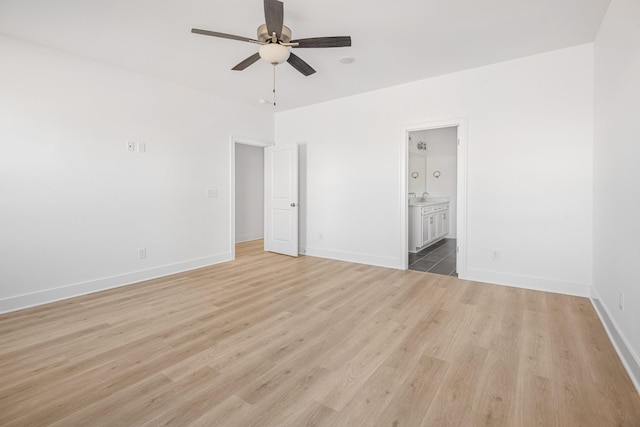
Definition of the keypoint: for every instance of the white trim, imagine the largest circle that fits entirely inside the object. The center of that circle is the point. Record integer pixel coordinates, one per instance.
(20, 302)
(233, 140)
(529, 282)
(625, 351)
(353, 257)
(461, 191)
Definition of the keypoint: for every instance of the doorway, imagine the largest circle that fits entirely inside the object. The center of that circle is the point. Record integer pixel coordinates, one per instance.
(432, 178)
(249, 193)
(435, 197)
(246, 182)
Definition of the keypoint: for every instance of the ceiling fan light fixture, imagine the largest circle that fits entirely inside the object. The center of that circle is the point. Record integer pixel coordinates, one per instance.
(274, 53)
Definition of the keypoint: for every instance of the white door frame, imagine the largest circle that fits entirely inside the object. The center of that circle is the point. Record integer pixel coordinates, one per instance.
(233, 140)
(461, 217)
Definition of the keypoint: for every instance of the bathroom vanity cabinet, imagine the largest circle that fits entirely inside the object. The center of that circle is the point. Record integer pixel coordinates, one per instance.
(428, 223)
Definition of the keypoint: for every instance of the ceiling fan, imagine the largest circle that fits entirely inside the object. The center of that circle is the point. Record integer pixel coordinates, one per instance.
(275, 40)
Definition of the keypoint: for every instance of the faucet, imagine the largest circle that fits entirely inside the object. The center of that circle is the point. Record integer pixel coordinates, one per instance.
(412, 195)
(425, 194)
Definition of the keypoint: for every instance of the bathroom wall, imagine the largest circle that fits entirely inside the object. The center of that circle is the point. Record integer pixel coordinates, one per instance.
(442, 156)
(417, 164)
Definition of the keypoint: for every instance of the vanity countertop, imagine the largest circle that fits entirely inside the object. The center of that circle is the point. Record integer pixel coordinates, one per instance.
(428, 201)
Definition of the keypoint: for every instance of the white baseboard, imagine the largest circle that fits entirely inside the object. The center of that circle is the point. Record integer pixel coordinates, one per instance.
(249, 237)
(354, 257)
(528, 282)
(51, 295)
(627, 355)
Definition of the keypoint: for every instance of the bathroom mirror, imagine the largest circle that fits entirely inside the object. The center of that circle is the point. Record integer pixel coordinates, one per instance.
(417, 174)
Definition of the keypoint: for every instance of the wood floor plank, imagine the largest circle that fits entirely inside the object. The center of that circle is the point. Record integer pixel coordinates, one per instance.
(271, 340)
(356, 370)
(533, 401)
(232, 411)
(315, 414)
(570, 374)
(411, 402)
(535, 349)
(119, 408)
(453, 402)
(368, 404)
(289, 400)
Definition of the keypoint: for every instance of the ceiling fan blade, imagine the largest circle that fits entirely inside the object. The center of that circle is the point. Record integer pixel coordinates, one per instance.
(339, 41)
(244, 64)
(300, 65)
(274, 16)
(223, 35)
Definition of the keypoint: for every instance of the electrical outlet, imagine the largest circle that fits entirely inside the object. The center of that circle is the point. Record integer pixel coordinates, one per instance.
(621, 301)
(495, 255)
(212, 194)
(142, 253)
(131, 146)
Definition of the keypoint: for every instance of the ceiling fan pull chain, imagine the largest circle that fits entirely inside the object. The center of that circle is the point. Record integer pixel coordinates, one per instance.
(274, 85)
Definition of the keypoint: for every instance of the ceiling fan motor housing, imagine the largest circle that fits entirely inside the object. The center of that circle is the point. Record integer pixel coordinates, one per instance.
(264, 36)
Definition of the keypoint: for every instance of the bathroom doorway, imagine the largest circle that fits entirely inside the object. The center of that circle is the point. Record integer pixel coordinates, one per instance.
(435, 174)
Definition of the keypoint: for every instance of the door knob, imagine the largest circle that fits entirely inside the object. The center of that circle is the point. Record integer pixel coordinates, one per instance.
(293, 205)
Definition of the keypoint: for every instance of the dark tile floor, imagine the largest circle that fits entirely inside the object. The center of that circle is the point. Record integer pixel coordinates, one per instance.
(439, 258)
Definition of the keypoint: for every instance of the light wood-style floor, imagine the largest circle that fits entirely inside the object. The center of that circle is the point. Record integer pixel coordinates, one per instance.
(269, 340)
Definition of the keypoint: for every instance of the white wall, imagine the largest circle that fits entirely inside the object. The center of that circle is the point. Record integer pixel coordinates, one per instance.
(617, 175)
(75, 205)
(249, 192)
(530, 132)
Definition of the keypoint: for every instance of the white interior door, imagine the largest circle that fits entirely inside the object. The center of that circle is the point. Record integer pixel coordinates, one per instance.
(281, 199)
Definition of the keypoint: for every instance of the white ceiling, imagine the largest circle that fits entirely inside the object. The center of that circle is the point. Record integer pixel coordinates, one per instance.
(394, 41)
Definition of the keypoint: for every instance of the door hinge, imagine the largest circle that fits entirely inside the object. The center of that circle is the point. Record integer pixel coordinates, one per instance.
(457, 249)
(458, 141)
